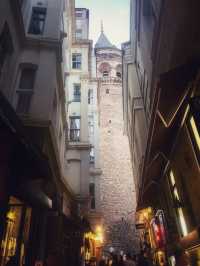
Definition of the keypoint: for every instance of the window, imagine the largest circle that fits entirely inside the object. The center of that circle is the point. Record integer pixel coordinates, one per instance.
(119, 71)
(91, 125)
(75, 128)
(195, 131)
(92, 155)
(193, 124)
(77, 93)
(78, 14)
(78, 33)
(105, 73)
(76, 61)
(118, 74)
(107, 91)
(6, 46)
(92, 196)
(25, 90)
(90, 96)
(37, 20)
(147, 8)
(178, 204)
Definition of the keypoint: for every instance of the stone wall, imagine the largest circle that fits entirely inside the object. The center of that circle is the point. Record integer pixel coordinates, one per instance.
(117, 190)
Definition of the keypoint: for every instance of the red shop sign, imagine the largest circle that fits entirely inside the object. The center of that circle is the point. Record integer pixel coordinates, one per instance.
(159, 231)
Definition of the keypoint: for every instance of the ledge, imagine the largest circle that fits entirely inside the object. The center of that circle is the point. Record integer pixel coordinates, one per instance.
(95, 171)
(79, 145)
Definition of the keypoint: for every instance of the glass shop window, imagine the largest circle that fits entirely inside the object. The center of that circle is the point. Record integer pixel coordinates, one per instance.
(16, 231)
(179, 207)
(193, 124)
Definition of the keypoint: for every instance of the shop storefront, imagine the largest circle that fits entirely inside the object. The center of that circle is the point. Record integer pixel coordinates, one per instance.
(16, 234)
(153, 235)
(159, 238)
(24, 175)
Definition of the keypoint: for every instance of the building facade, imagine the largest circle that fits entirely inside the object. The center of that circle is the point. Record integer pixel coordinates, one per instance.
(35, 198)
(117, 194)
(82, 148)
(161, 103)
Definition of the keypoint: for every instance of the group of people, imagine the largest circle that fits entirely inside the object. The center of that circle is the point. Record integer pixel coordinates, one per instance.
(124, 260)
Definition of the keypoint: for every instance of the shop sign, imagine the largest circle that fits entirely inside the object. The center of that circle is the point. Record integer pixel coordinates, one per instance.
(38, 263)
(159, 231)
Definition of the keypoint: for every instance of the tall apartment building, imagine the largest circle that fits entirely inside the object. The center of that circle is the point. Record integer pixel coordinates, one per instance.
(161, 107)
(36, 204)
(82, 150)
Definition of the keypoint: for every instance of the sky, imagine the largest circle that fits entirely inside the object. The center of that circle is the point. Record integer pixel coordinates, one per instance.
(115, 17)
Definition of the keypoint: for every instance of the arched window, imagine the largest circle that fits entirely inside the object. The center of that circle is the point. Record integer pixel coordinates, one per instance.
(105, 69)
(105, 73)
(118, 74)
(119, 71)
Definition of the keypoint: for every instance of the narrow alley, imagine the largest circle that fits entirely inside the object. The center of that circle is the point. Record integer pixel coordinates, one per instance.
(99, 133)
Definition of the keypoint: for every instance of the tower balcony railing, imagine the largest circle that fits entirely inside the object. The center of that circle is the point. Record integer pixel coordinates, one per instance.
(110, 80)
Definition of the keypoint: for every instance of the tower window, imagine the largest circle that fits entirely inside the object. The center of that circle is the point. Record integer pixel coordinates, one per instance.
(105, 73)
(92, 155)
(118, 74)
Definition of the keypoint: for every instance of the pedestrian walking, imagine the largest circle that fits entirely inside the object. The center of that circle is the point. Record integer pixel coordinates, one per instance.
(129, 261)
(12, 261)
(102, 261)
(142, 259)
(120, 260)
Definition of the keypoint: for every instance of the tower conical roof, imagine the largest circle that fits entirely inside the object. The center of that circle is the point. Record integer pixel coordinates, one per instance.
(103, 42)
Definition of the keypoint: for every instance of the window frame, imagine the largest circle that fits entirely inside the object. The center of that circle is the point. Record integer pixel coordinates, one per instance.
(105, 72)
(79, 33)
(76, 63)
(36, 19)
(76, 96)
(90, 96)
(119, 74)
(92, 196)
(74, 137)
(193, 125)
(6, 46)
(23, 94)
(178, 204)
(92, 155)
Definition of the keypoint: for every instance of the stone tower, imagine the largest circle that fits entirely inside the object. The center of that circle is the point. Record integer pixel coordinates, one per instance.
(117, 190)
